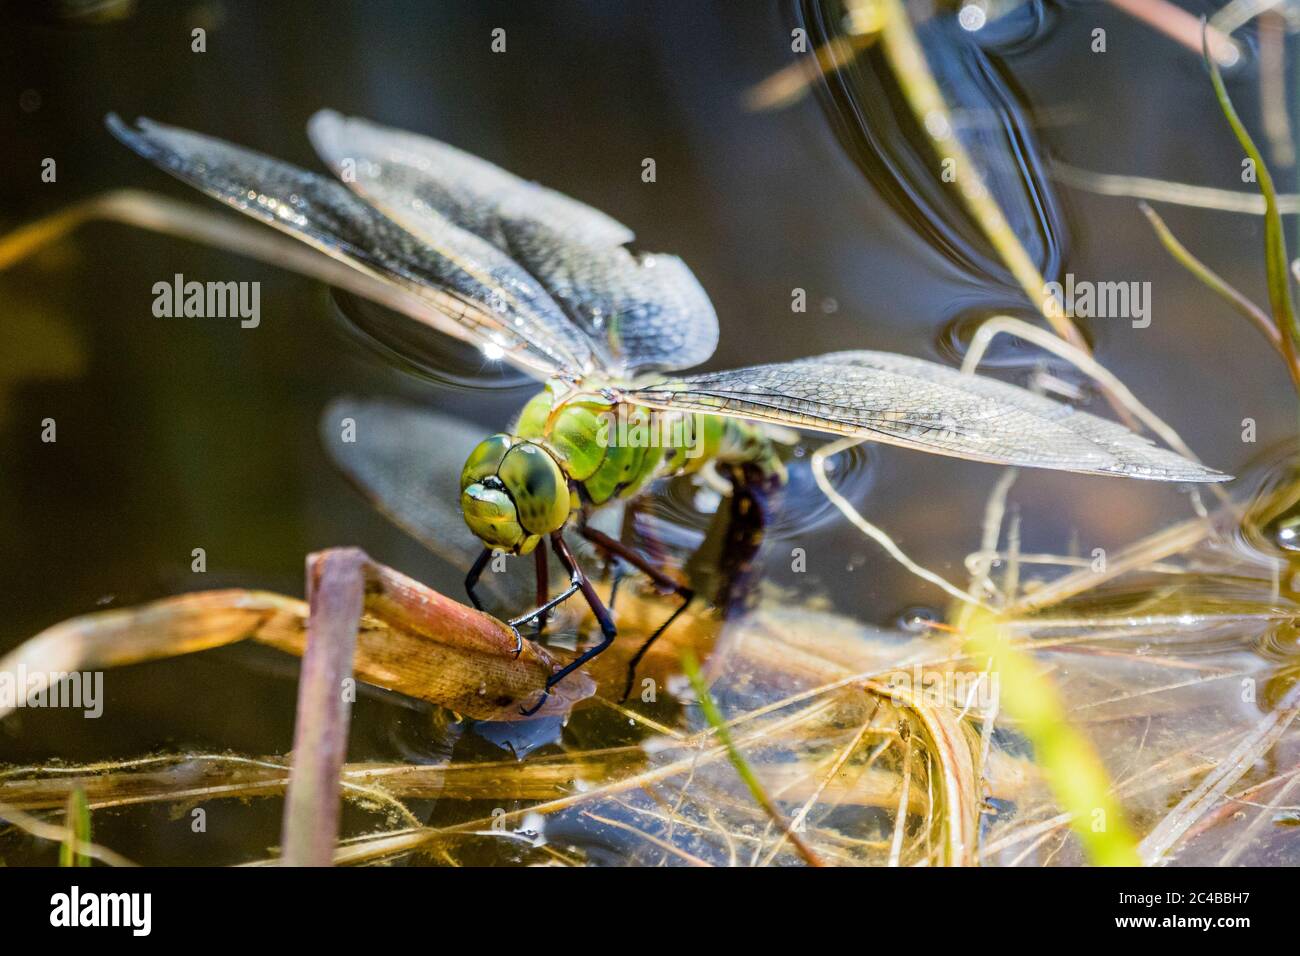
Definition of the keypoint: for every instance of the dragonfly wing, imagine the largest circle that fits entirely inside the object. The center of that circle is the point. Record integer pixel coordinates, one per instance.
(407, 462)
(473, 291)
(641, 312)
(919, 404)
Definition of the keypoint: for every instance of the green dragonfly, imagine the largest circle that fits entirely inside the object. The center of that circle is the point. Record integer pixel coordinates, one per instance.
(541, 281)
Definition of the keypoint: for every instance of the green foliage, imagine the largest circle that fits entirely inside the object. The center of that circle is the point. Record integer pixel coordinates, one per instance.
(1275, 254)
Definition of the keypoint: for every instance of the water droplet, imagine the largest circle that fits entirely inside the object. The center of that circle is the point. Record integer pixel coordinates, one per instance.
(972, 17)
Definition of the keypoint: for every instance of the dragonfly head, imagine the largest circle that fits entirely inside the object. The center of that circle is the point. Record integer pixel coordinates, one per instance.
(512, 492)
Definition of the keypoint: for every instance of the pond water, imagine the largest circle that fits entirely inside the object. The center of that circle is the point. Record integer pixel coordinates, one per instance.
(182, 433)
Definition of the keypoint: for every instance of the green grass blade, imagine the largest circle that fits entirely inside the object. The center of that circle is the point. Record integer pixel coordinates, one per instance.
(1212, 280)
(1275, 254)
(78, 821)
(1069, 762)
(719, 725)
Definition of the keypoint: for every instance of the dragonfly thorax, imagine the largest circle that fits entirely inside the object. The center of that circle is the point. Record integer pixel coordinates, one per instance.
(611, 448)
(584, 449)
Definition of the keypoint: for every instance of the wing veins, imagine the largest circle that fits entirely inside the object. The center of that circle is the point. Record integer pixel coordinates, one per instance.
(976, 418)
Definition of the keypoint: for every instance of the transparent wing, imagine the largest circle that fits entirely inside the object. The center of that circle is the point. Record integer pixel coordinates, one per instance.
(918, 404)
(473, 291)
(406, 461)
(642, 312)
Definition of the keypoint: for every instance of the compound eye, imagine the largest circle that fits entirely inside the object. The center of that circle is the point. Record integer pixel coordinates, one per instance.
(484, 460)
(538, 487)
(490, 514)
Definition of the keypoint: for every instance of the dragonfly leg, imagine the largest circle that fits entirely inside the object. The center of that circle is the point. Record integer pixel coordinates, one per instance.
(613, 587)
(618, 549)
(476, 572)
(630, 530)
(578, 582)
(543, 586)
(634, 530)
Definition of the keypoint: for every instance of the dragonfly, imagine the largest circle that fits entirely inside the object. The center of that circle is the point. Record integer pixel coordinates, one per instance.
(541, 281)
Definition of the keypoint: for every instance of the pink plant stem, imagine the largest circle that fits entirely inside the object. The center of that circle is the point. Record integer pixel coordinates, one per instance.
(336, 591)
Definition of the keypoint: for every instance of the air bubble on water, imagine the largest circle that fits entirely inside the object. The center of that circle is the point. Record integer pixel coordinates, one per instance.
(1286, 532)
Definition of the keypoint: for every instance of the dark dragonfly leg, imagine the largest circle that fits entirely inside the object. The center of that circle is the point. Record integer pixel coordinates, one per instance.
(543, 586)
(613, 586)
(631, 530)
(476, 572)
(634, 531)
(539, 612)
(620, 550)
(578, 582)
